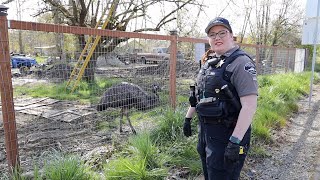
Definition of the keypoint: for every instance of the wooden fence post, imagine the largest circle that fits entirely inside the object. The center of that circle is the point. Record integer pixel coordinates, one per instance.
(173, 66)
(9, 122)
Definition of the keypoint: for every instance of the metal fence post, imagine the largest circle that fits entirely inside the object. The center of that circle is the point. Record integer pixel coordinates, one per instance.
(274, 59)
(258, 59)
(287, 65)
(306, 58)
(173, 65)
(9, 123)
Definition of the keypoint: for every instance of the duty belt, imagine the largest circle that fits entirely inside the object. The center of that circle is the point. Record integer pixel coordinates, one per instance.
(207, 100)
(207, 120)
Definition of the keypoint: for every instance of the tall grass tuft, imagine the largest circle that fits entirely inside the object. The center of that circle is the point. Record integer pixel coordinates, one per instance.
(184, 154)
(144, 148)
(17, 174)
(169, 127)
(133, 169)
(144, 161)
(58, 166)
(169, 137)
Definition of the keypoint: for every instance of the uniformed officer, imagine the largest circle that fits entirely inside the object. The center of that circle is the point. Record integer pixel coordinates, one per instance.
(225, 101)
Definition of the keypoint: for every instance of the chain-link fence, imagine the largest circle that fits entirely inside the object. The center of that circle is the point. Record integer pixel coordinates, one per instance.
(71, 81)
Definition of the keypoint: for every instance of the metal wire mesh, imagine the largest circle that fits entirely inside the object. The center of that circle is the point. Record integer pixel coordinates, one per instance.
(47, 121)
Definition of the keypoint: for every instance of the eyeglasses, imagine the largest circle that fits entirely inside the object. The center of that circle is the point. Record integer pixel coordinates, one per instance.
(221, 34)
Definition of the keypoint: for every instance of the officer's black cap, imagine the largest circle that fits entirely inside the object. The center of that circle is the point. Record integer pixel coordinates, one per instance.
(218, 21)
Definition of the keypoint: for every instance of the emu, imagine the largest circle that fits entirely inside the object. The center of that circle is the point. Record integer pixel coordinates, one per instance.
(126, 96)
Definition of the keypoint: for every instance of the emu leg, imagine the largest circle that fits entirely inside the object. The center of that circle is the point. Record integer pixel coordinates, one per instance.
(121, 118)
(132, 129)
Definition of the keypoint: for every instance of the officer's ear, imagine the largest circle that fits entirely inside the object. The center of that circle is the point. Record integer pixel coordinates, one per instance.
(233, 37)
(231, 34)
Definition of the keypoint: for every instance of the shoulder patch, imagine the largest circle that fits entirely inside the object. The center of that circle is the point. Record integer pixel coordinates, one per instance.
(250, 68)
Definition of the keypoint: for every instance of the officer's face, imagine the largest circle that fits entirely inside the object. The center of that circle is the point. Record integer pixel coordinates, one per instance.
(220, 39)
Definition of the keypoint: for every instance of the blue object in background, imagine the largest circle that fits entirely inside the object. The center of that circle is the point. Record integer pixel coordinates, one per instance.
(19, 61)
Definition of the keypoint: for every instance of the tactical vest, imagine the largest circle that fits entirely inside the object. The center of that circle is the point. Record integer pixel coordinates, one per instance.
(214, 100)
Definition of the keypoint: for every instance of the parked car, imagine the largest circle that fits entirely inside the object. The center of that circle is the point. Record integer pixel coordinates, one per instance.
(158, 54)
(18, 61)
(129, 56)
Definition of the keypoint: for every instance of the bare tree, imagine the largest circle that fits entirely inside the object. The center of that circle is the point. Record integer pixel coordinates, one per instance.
(273, 22)
(18, 4)
(187, 25)
(262, 21)
(248, 9)
(286, 24)
(58, 19)
(85, 12)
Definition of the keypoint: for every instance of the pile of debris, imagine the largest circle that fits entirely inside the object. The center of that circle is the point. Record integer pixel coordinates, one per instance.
(184, 68)
(58, 72)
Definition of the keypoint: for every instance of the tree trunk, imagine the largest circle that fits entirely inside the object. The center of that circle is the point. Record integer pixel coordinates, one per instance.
(19, 9)
(88, 75)
(59, 36)
(21, 47)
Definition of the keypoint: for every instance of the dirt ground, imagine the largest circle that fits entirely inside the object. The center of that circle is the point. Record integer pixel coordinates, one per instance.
(45, 124)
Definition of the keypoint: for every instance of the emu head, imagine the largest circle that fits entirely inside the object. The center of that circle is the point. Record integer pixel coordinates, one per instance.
(154, 99)
(156, 88)
(151, 100)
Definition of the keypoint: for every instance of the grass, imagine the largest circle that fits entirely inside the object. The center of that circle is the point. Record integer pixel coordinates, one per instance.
(151, 153)
(132, 168)
(56, 166)
(145, 149)
(184, 154)
(142, 162)
(41, 59)
(59, 166)
(277, 99)
(169, 126)
(316, 65)
(257, 151)
(85, 92)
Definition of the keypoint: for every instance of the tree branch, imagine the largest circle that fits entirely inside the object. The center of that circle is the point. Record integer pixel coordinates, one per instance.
(41, 11)
(8, 1)
(60, 7)
(163, 20)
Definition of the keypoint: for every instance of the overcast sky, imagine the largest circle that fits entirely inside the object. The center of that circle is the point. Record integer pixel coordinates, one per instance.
(214, 8)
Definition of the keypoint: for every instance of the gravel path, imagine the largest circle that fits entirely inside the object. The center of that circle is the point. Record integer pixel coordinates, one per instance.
(295, 155)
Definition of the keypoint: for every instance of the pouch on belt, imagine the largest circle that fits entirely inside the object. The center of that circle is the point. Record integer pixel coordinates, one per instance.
(212, 109)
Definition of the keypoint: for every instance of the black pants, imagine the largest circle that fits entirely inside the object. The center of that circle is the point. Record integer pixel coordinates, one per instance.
(213, 139)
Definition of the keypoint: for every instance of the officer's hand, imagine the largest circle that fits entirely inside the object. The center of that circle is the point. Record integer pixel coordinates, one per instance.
(193, 101)
(187, 127)
(231, 156)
